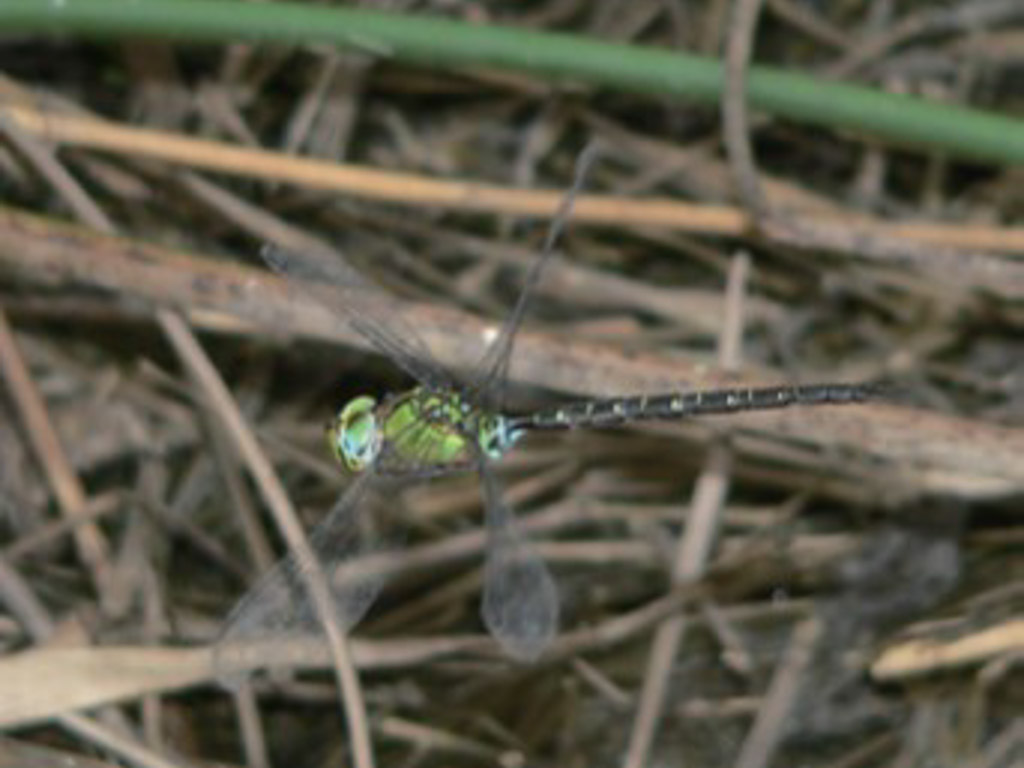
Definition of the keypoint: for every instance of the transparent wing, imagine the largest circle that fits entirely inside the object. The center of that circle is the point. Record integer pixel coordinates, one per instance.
(520, 602)
(370, 311)
(274, 622)
(488, 384)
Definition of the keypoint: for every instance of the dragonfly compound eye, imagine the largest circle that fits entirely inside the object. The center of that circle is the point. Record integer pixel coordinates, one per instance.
(355, 435)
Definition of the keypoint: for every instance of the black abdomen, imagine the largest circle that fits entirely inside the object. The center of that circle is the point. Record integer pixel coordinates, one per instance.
(614, 411)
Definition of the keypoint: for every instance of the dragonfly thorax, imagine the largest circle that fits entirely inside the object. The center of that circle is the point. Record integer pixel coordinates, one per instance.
(419, 428)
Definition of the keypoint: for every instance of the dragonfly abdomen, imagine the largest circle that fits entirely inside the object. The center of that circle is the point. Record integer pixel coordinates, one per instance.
(615, 411)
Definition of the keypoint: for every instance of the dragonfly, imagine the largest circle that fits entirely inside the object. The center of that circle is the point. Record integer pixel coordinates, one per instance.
(447, 423)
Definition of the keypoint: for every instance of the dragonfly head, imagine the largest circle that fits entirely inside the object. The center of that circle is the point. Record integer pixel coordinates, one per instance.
(355, 435)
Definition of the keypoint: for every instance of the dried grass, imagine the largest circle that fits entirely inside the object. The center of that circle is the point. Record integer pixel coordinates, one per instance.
(834, 587)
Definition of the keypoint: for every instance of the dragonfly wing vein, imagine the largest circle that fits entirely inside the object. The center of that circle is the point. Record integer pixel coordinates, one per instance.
(273, 623)
(520, 601)
(366, 308)
(491, 378)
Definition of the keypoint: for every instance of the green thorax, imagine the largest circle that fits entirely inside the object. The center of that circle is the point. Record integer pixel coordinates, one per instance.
(419, 429)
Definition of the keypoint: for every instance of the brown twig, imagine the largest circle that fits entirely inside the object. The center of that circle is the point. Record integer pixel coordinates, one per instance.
(224, 408)
(693, 550)
(19, 597)
(226, 411)
(837, 295)
(421, 191)
(924, 451)
(735, 121)
(766, 734)
(918, 657)
(71, 496)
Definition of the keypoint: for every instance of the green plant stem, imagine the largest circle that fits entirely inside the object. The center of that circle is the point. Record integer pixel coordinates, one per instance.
(444, 43)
